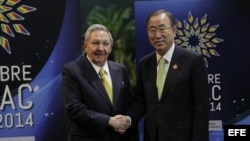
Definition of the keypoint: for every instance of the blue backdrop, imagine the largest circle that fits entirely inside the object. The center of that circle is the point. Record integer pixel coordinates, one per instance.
(30, 67)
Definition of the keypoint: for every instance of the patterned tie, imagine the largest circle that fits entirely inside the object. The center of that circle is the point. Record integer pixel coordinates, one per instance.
(161, 75)
(106, 84)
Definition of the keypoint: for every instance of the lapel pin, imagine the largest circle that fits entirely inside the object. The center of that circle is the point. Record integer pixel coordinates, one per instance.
(175, 66)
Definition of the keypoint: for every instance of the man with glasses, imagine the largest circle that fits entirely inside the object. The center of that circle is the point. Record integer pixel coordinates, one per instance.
(96, 91)
(172, 86)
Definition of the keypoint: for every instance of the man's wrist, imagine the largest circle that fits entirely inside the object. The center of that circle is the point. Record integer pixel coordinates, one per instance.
(130, 121)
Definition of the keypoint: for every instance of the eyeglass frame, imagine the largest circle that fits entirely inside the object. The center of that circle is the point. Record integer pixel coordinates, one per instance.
(161, 30)
(98, 43)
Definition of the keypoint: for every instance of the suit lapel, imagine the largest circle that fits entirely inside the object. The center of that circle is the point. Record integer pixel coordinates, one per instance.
(151, 74)
(116, 81)
(91, 75)
(174, 67)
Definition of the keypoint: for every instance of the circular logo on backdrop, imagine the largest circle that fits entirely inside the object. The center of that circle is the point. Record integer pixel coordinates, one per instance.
(28, 34)
(198, 36)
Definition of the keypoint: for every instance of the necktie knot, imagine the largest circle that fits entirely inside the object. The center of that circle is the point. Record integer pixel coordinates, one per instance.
(161, 62)
(102, 73)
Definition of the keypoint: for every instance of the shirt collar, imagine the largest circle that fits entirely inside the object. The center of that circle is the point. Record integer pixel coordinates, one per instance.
(168, 55)
(97, 68)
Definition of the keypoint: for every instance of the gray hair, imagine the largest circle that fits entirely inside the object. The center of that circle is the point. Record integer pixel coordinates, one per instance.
(160, 11)
(95, 27)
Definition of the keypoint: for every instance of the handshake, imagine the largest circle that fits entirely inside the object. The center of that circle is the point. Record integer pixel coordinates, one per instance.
(120, 123)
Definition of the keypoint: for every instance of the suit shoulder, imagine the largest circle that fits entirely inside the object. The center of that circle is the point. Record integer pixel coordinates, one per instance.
(147, 57)
(189, 52)
(192, 56)
(72, 64)
(116, 65)
(68, 65)
(75, 66)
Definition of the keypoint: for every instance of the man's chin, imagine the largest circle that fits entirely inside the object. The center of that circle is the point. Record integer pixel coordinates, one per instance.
(160, 46)
(100, 57)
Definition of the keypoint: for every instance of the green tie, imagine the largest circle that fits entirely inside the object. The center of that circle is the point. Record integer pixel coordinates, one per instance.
(161, 75)
(106, 84)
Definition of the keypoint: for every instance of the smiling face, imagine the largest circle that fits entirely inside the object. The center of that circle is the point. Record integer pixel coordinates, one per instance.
(98, 47)
(160, 32)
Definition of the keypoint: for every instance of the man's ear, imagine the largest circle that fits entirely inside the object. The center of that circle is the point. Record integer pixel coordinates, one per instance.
(84, 44)
(111, 47)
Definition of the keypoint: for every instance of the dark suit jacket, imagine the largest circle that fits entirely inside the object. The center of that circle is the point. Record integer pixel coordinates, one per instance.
(182, 113)
(87, 103)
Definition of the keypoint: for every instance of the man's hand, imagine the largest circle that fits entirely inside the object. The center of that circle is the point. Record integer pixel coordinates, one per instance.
(120, 123)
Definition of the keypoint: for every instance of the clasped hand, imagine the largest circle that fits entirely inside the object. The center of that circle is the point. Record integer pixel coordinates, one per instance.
(120, 123)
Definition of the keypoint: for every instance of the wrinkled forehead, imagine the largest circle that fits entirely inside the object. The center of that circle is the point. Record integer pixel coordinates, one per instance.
(100, 35)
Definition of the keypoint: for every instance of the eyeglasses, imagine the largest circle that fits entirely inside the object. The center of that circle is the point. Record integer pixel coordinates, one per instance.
(161, 30)
(98, 43)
